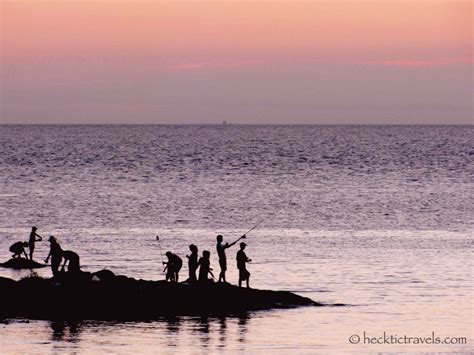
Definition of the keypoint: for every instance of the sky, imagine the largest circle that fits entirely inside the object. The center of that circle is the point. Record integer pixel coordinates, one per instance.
(263, 61)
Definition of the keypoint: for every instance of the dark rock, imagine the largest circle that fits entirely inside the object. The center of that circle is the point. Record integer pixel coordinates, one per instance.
(22, 263)
(85, 296)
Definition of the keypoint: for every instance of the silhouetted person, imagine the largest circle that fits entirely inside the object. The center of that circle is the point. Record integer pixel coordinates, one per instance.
(56, 254)
(192, 262)
(17, 249)
(222, 257)
(72, 259)
(173, 266)
(204, 264)
(242, 260)
(34, 237)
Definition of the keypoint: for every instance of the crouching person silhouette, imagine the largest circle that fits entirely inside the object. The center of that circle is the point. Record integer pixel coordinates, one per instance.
(72, 259)
(242, 260)
(17, 249)
(173, 266)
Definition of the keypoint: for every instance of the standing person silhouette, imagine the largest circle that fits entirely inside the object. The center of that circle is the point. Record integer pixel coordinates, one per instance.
(242, 259)
(192, 262)
(221, 254)
(56, 254)
(34, 237)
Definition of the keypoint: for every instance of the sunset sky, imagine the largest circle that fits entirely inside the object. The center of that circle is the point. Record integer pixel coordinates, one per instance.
(348, 61)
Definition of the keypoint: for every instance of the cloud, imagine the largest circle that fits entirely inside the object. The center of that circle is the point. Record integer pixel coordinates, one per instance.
(432, 63)
(213, 65)
(187, 66)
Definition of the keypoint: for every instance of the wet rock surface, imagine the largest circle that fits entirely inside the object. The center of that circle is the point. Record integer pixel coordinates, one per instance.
(22, 263)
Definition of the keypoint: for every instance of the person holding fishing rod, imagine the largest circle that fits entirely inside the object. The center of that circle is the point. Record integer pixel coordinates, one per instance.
(221, 252)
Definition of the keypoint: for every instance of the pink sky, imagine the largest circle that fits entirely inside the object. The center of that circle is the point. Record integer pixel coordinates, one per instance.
(241, 61)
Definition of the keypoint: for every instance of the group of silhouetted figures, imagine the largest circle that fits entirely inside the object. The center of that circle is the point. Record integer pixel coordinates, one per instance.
(56, 253)
(173, 265)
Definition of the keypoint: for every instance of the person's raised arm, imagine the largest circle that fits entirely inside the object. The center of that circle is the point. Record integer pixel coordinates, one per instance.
(40, 238)
(234, 242)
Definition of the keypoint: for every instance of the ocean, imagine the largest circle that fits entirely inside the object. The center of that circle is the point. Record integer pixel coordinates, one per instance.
(376, 218)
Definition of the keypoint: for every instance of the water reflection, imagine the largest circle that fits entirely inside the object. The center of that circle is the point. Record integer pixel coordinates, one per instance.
(243, 319)
(202, 327)
(173, 324)
(68, 331)
(222, 331)
(205, 332)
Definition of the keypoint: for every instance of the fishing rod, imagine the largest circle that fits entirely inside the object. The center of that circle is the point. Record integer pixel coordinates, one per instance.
(161, 252)
(251, 229)
(255, 226)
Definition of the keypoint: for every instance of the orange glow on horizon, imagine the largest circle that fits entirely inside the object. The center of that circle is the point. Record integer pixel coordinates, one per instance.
(344, 61)
(193, 32)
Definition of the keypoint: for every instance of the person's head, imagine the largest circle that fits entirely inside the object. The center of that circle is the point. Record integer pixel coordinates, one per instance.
(206, 254)
(242, 245)
(52, 239)
(193, 248)
(34, 228)
(169, 254)
(219, 238)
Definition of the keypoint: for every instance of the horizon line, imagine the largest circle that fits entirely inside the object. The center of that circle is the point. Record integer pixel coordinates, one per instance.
(232, 124)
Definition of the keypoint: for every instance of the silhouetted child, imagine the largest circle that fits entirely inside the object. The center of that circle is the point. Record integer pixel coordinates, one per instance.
(204, 264)
(34, 237)
(56, 255)
(173, 266)
(72, 259)
(192, 262)
(17, 249)
(242, 259)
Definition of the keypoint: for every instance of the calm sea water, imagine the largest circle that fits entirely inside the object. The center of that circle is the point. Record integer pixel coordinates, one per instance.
(379, 218)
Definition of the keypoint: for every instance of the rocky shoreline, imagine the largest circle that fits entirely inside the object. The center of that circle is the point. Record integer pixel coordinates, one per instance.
(106, 296)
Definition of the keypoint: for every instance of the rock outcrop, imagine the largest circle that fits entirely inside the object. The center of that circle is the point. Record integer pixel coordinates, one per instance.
(103, 295)
(22, 263)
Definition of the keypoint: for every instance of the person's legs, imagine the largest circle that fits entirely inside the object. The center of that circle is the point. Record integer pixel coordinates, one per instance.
(32, 249)
(55, 268)
(223, 265)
